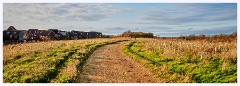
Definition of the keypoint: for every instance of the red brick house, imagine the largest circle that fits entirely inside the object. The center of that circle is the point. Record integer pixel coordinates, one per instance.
(33, 34)
(57, 33)
(76, 34)
(46, 35)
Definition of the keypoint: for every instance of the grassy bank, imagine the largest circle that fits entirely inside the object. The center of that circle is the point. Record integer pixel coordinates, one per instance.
(186, 61)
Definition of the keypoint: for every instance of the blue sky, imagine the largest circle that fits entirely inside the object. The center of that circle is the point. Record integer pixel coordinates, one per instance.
(164, 19)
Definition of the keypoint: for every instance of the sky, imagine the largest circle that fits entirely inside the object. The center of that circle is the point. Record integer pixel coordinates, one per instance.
(161, 19)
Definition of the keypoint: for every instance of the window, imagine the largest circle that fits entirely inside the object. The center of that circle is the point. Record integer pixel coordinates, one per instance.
(14, 32)
(8, 32)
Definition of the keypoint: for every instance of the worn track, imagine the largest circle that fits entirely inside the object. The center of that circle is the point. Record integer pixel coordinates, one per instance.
(109, 64)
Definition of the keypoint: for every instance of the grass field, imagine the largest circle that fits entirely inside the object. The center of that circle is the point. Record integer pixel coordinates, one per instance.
(178, 60)
(171, 60)
(54, 61)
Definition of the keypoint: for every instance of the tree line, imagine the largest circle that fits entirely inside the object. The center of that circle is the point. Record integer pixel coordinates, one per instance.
(217, 37)
(137, 34)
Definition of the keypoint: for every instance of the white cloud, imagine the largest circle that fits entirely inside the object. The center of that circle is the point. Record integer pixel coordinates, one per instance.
(37, 13)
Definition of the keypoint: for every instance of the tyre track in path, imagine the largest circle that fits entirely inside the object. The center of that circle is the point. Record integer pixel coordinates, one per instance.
(108, 64)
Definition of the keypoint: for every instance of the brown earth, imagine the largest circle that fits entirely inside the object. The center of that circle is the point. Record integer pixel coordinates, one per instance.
(109, 64)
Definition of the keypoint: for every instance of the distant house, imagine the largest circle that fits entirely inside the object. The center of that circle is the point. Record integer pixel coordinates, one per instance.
(57, 33)
(74, 34)
(94, 34)
(60, 35)
(81, 35)
(12, 35)
(46, 35)
(33, 34)
(86, 34)
(65, 34)
(77, 34)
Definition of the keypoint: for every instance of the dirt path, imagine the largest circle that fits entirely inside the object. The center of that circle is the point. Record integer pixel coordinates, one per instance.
(110, 64)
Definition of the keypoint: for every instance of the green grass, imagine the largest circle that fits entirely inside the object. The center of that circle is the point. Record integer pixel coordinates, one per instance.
(58, 64)
(189, 69)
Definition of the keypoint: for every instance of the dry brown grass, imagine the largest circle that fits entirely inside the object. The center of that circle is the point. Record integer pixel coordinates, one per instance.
(177, 48)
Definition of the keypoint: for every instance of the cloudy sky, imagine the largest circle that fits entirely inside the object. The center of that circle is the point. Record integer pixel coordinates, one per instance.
(164, 19)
